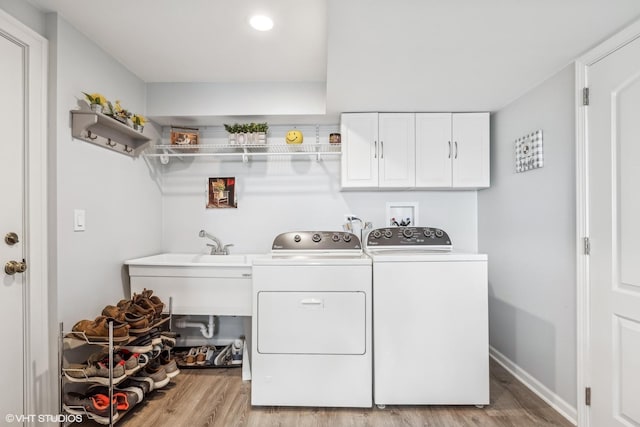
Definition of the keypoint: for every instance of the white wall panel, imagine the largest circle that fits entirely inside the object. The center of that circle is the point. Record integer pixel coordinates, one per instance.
(121, 199)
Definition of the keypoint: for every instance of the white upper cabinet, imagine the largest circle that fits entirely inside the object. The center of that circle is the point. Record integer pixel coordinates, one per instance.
(433, 150)
(415, 150)
(470, 150)
(396, 157)
(359, 150)
(452, 150)
(378, 150)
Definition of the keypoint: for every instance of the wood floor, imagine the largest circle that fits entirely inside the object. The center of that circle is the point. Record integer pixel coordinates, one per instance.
(218, 397)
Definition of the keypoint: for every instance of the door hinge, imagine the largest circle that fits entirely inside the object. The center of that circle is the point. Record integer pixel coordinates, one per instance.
(587, 396)
(587, 246)
(585, 96)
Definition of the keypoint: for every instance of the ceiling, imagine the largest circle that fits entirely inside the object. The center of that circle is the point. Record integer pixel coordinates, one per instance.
(375, 55)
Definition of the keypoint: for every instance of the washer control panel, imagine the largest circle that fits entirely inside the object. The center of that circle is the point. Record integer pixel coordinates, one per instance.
(316, 240)
(409, 238)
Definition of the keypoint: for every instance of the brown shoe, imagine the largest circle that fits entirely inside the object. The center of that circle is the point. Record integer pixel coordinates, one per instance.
(157, 302)
(98, 329)
(150, 302)
(137, 323)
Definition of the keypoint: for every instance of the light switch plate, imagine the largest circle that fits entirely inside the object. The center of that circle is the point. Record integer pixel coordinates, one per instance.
(79, 220)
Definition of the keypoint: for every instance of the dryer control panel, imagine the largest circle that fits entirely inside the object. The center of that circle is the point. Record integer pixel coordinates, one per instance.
(409, 238)
(333, 241)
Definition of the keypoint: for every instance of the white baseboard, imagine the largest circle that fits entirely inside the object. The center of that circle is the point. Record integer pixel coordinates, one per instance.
(552, 399)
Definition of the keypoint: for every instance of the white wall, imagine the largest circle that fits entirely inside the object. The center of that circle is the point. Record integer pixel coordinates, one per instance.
(281, 194)
(527, 226)
(119, 193)
(25, 13)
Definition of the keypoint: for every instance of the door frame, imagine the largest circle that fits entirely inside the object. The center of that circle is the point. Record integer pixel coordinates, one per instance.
(583, 330)
(39, 388)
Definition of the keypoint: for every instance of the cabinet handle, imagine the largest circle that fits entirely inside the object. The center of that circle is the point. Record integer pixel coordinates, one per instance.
(375, 149)
(382, 149)
(456, 156)
(449, 148)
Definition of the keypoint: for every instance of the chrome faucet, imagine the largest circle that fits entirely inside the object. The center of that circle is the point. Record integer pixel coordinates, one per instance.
(218, 248)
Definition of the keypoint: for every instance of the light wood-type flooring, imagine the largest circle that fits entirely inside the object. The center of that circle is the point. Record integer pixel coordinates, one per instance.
(218, 397)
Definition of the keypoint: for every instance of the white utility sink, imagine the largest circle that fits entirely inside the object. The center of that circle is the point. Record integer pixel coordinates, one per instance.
(193, 260)
(198, 284)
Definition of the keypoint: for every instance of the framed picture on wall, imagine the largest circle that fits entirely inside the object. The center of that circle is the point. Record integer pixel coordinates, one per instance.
(221, 193)
(184, 137)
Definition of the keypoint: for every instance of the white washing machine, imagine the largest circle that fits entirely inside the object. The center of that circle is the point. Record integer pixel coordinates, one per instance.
(430, 320)
(312, 332)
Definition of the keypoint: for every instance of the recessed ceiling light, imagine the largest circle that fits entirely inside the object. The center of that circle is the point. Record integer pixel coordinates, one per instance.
(261, 22)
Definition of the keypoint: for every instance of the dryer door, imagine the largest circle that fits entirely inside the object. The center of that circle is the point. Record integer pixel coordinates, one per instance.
(311, 322)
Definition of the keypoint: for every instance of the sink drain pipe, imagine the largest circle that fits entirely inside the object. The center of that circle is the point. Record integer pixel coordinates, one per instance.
(205, 330)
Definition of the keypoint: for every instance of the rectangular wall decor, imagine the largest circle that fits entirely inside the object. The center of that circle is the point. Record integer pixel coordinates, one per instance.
(529, 152)
(221, 193)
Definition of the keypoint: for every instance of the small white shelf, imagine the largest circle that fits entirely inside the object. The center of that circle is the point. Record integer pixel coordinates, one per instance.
(243, 151)
(107, 132)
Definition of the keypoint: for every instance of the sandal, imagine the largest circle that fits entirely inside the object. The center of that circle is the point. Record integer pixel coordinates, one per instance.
(201, 355)
(190, 358)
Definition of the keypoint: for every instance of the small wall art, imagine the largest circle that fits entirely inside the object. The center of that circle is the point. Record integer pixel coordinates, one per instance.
(184, 137)
(221, 193)
(529, 152)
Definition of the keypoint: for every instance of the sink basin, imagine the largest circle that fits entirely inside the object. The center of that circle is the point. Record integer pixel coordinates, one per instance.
(197, 284)
(194, 260)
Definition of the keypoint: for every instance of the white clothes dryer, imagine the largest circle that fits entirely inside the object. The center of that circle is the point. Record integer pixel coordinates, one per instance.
(312, 332)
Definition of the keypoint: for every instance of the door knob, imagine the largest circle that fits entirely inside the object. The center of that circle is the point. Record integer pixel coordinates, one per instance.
(11, 239)
(13, 267)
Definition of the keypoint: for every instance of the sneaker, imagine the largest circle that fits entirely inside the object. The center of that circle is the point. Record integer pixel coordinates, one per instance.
(124, 398)
(98, 329)
(129, 359)
(142, 344)
(94, 372)
(224, 357)
(95, 407)
(156, 338)
(145, 385)
(169, 364)
(154, 371)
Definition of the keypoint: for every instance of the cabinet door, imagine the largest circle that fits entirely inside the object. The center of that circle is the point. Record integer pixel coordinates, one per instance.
(359, 150)
(397, 150)
(471, 150)
(434, 150)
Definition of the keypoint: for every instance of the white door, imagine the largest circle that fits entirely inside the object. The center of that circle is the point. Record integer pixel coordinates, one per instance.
(433, 150)
(397, 153)
(614, 210)
(12, 123)
(470, 150)
(359, 150)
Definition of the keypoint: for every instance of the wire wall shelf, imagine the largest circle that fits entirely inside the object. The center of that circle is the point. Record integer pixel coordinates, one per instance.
(318, 150)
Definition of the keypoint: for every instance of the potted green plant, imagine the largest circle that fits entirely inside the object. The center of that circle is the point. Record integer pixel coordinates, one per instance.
(138, 122)
(97, 101)
(247, 133)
